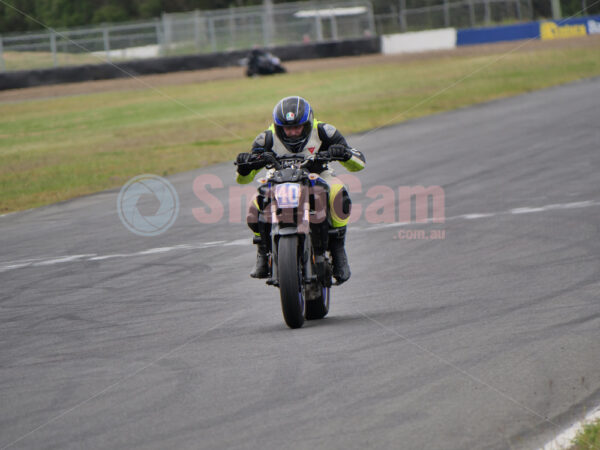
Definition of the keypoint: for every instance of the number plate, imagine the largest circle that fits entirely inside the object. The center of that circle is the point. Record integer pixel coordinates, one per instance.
(287, 195)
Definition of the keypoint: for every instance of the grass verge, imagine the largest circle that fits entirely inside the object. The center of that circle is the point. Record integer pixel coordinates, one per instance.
(588, 438)
(60, 148)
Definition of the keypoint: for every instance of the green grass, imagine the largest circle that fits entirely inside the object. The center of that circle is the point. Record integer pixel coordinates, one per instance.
(56, 149)
(588, 438)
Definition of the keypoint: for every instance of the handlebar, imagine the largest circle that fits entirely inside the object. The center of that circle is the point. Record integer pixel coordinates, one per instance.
(275, 160)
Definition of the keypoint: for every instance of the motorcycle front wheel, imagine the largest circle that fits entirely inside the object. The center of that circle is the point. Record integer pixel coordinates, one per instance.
(290, 281)
(319, 307)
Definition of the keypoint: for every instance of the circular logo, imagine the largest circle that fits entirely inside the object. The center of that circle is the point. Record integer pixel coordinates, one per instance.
(148, 205)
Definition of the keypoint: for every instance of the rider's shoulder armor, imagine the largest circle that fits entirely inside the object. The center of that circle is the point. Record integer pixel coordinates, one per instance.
(328, 129)
(330, 135)
(263, 141)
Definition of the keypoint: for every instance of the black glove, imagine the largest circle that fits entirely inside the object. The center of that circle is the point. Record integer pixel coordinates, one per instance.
(246, 163)
(341, 152)
(243, 159)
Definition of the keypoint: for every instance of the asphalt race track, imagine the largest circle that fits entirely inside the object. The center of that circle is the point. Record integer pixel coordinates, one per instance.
(487, 339)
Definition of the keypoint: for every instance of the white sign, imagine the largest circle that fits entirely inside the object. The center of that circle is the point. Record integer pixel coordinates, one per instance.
(593, 27)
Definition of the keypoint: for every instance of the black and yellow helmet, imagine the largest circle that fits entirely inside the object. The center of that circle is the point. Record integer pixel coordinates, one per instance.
(293, 111)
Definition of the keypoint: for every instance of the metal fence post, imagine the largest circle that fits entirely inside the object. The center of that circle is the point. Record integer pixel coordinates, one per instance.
(106, 39)
(334, 29)
(2, 65)
(518, 4)
(471, 13)
(232, 33)
(267, 22)
(487, 13)
(159, 38)
(446, 14)
(211, 33)
(402, 15)
(318, 26)
(167, 31)
(371, 19)
(530, 6)
(197, 38)
(265, 30)
(556, 12)
(53, 48)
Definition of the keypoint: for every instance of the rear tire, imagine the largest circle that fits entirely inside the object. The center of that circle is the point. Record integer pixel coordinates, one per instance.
(290, 281)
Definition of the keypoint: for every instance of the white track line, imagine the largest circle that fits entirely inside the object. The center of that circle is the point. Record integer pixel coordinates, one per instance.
(38, 262)
(512, 212)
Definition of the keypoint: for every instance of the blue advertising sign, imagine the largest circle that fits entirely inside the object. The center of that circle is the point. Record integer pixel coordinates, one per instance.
(546, 30)
(497, 34)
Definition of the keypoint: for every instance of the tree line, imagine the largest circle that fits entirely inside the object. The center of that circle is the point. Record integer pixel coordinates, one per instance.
(29, 15)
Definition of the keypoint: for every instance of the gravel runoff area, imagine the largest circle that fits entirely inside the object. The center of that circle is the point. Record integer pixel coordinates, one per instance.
(199, 76)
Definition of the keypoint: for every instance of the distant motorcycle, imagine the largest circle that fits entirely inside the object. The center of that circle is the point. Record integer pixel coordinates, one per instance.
(260, 62)
(295, 229)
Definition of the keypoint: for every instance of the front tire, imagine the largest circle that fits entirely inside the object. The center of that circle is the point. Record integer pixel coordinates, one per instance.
(290, 281)
(319, 307)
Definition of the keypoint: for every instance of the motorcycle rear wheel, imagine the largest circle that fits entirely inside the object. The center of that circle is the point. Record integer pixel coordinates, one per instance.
(290, 281)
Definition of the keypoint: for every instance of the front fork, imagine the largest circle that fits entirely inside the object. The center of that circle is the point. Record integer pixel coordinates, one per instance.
(302, 229)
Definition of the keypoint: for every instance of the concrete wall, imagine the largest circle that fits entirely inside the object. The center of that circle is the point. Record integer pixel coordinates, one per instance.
(146, 51)
(420, 41)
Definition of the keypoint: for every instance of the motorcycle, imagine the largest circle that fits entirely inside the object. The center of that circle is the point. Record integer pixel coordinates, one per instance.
(294, 228)
(262, 63)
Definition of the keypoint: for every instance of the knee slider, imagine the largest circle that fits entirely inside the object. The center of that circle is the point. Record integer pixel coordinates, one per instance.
(346, 202)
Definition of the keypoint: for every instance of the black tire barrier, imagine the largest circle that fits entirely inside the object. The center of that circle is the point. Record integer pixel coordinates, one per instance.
(105, 71)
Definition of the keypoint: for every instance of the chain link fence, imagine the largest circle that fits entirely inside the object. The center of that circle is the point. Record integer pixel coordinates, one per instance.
(189, 33)
(246, 27)
(406, 16)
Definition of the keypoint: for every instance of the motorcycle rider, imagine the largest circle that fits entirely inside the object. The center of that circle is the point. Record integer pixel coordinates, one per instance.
(261, 62)
(294, 129)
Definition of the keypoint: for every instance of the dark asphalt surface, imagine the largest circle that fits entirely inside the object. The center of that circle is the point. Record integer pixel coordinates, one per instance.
(487, 339)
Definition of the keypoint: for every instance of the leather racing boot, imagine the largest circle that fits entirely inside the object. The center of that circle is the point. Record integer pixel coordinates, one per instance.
(262, 263)
(341, 269)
